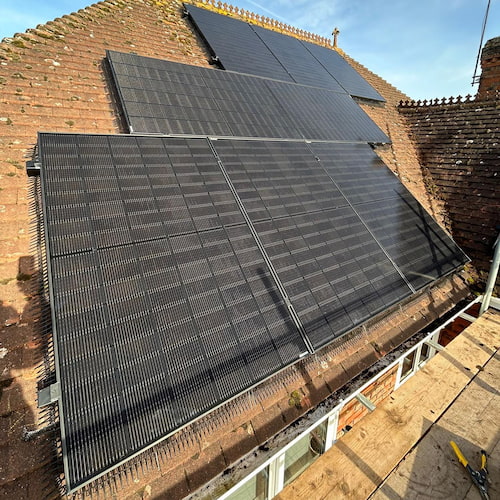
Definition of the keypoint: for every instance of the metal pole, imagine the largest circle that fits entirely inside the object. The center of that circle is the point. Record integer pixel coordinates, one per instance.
(492, 278)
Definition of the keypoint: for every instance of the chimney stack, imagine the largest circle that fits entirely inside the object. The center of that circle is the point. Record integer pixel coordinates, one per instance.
(490, 67)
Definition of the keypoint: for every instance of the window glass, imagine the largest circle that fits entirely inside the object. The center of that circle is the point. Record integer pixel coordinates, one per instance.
(254, 489)
(424, 353)
(408, 365)
(304, 452)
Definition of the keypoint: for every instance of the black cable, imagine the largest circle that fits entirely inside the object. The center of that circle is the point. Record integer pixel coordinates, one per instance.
(485, 20)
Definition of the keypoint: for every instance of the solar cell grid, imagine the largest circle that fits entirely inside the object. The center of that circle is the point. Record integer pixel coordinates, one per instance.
(326, 115)
(296, 59)
(358, 171)
(414, 241)
(169, 331)
(236, 105)
(162, 296)
(236, 45)
(342, 71)
(276, 179)
(317, 250)
(258, 51)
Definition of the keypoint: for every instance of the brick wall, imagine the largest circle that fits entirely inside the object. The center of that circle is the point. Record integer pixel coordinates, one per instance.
(459, 147)
(490, 67)
(354, 411)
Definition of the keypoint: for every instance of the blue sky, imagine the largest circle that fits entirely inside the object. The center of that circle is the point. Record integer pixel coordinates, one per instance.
(426, 48)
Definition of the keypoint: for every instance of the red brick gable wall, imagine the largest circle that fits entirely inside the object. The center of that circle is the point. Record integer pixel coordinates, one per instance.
(459, 146)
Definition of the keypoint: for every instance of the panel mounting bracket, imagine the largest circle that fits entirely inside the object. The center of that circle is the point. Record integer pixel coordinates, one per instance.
(49, 395)
(33, 168)
(365, 402)
(434, 345)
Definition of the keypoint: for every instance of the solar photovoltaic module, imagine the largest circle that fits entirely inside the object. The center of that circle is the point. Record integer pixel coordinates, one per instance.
(163, 306)
(412, 238)
(296, 59)
(333, 269)
(251, 49)
(235, 44)
(408, 234)
(342, 71)
(172, 261)
(176, 99)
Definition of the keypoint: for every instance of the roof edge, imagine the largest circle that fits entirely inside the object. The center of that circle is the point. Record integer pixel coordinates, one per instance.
(263, 21)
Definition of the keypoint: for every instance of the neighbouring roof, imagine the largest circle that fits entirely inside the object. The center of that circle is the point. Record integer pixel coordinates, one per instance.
(54, 79)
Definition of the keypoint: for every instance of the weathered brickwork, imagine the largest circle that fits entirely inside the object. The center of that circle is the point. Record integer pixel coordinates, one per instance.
(490, 67)
(459, 146)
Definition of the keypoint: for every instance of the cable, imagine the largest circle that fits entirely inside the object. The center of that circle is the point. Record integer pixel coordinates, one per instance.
(475, 78)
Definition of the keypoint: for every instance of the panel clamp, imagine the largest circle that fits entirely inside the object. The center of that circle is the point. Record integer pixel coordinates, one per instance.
(33, 168)
(49, 395)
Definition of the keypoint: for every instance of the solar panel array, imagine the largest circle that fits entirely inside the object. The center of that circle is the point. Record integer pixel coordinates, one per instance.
(186, 269)
(407, 233)
(172, 98)
(165, 307)
(172, 258)
(251, 49)
(343, 72)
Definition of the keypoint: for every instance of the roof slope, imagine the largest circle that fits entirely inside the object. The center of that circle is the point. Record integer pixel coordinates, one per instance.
(52, 78)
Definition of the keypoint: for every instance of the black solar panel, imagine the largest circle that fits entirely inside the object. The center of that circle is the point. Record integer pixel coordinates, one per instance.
(235, 44)
(414, 241)
(164, 303)
(166, 97)
(325, 115)
(296, 60)
(258, 51)
(358, 171)
(343, 72)
(409, 235)
(332, 268)
(163, 307)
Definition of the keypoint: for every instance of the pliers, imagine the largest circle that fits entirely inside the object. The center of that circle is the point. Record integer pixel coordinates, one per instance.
(479, 477)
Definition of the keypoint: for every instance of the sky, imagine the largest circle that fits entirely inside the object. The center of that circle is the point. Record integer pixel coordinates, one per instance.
(426, 48)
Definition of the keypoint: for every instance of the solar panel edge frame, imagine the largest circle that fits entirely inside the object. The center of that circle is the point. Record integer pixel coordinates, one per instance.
(117, 89)
(55, 340)
(211, 50)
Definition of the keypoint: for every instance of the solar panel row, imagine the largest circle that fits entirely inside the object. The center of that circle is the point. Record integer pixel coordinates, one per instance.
(251, 49)
(172, 98)
(165, 307)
